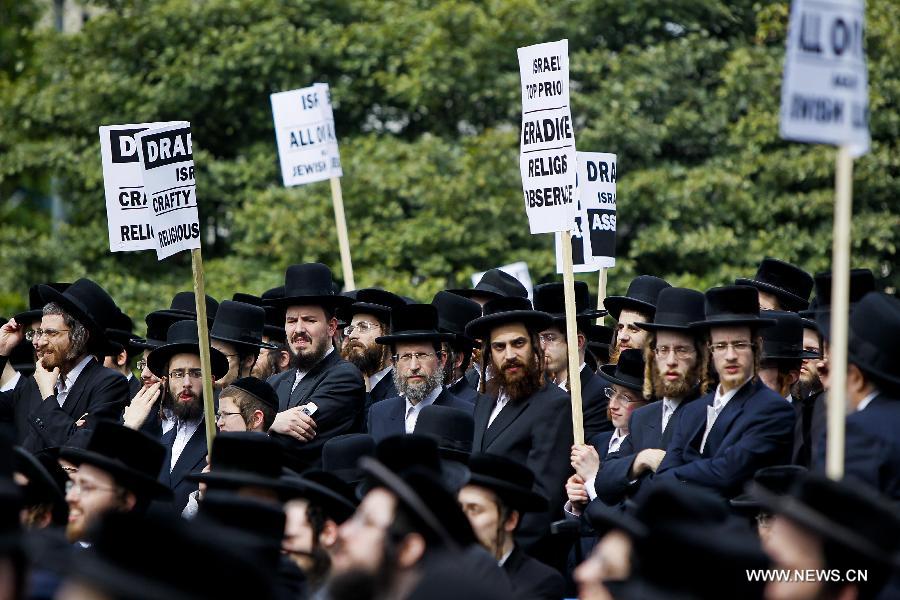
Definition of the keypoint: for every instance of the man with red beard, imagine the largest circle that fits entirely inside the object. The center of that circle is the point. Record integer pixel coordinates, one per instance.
(320, 382)
(177, 364)
(676, 360)
(522, 415)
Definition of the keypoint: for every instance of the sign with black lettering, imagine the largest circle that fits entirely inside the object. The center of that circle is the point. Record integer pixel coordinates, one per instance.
(594, 235)
(825, 91)
(127, 214)
(547, 155)
(304, 131)
(167, 167)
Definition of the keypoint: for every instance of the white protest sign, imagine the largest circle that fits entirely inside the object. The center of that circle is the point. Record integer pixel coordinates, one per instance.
(127, 214)
(825, 90)
(304, 130)
(582, 260)
(547, 154)
(167, 165)
(519, 270)
(594, 237)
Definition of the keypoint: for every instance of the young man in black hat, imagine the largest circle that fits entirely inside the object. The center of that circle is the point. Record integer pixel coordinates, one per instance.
(117, 471)
(273, 356)
(454, 312)
(248, 404)
(783, 353)
(637, 305)
(498, 493)
(522, 415)
(121, 350)
(780, 285)
(676, 359)
(177, 363)
(74, 389)
(550, 298)
(237, 333)
(742, 426)
(319, 376)
(416, 347)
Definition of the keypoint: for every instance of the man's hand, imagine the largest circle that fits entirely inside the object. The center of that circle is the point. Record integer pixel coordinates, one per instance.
(577, 493)
(646, 460)
(10, 335)
(295, 423)
(585, 461)
(137, 412)
(46, 380)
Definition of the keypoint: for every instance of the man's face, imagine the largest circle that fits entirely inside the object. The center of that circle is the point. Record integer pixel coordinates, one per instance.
(360, 347)
(734, 366)
(792, 547)
(234, 363)
(676, 362)
(147, 376)
(230, 416)
(298, 533)
(481, 507)
(92, 494)
(610, 561)
(511, 350)
(185, 387)
(556, 356)
(627, 334)
(622, 404)
(54, 347)
(418, 369)
(809, 370)
(768, 301)
(362, 538)
(309, 333)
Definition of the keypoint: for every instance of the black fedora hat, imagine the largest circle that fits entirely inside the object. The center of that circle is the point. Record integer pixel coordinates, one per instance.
(862, 281)
(550, 298)
(732, 306)
(789, 283)
(87, 303)
(676, 310)
(36, 303)
(511, 481)
(874, 338)
(779, 480)
(259, 389)
(628, 372)
(784, 340)
(182, 338)
(454, 313)
(133, 458)
(242, 459)
(240, 324)
(495, 284)
(641, 296)
(403, 452)
(414, 323)
(274, 327)
(334, 504)
(334, 483)
(120, 335)
(156, 334)
(42, 486)
(184, 307)
(373, 301)
(808, 316)
(502, 311)
(341, 454)
(452, 429)
(258, 524)
(309, 284)
(599, 337)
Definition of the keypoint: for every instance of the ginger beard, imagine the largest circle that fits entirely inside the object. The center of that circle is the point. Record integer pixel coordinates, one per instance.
(367, 358)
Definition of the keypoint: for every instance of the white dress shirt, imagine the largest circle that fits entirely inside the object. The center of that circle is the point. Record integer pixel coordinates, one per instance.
(377, 377)
(670, 405)
(413, 410)
(616, 440)
(298, 377)
(502, 400)
(64, 384)
(865, 401)
(712, 412)
(185, 429)
(11, 384)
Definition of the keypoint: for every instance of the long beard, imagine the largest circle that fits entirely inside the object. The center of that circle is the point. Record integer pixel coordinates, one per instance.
(417, 392)
(520, 386)
(368, 359)
(187, 411)
(311, 356)
(803, 390)
(679, 388)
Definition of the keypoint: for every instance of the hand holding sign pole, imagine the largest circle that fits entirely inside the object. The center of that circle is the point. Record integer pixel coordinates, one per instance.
(547, 162)
(825, 99)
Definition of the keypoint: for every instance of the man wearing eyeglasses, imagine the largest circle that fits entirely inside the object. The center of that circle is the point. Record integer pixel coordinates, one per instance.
(416, 348)
(725, 437)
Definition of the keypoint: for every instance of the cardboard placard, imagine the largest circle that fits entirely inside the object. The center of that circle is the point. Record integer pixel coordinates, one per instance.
(594, 234)
(304, 131)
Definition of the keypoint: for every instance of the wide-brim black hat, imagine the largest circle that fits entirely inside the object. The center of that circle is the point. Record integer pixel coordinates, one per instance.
(550, 298)
(36, 303)
(243, 459)
(309, 284)
(184, 307)
(511, 481)
(87, 303)
(676, 310)
(495, 284)
(454, 313)
(183, 338)
(641, 296)
(789, 283)
(508, 310)
(452, 429)
(332, 503)
(874, 337)
(784, 340)
(373, 301)
(732, 306)
(628, 372)
(240, 324)
(778, 480)
(41, 481)
(414, 323)
(341, 454)
(403, 452)
(274, 326)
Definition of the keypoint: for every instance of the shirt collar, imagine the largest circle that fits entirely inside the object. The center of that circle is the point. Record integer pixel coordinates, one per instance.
(672, 403)
(506, 556)
(865, 401)
(376, 378)
(72, 376)
(723, 399)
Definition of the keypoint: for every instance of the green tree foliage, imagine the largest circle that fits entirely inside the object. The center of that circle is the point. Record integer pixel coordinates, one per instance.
(686, 92)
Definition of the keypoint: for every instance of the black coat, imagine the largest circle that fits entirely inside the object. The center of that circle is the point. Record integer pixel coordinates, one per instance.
(388, 417)
(383, 390)
(134, 386)
(532, 579)
(464, 390)
(191, 460)
(594, 403)
(536, 432)
(339, 392)
(99, 392)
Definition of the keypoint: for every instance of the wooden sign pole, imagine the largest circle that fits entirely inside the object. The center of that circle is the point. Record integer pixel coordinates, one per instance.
(840, 310)
(572, 338)
(337, 198)
(203, 336)
(601, 292)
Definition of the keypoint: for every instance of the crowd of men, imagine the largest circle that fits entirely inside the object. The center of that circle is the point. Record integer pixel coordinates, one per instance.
(372, 446)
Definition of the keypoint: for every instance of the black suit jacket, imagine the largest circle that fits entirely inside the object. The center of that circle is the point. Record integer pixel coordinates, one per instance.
(532, 579)
(383, 390)
(191, 460)
(388, 417)
(338, 390)
(134, 386)
(464, 390)
(594, 403)
(536, 432)
(99, 392)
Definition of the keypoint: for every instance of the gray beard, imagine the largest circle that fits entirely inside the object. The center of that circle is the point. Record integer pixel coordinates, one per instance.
(417, 393)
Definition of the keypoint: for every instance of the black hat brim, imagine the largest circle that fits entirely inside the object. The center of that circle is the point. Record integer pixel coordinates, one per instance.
(241, 344)
(414, 336)
(533, 320)
(736, 322)
(514, 496)
(334, 503)
(146, 344)
(159, 358)
(609, 372)
(335, 302)
(28, 316)
(472, 292)
(231, 480)
(791, 301)
(689, 328)
(379, 311)
(616, 304)
(124, 475)
(111, 578)
(49, 294)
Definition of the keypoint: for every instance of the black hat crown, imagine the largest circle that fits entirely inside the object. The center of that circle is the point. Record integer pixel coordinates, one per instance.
(400, 453)
(510, 309)
(239, 323)
(374, 298)
(413, 322)
(341, 454)
(641, 296)
(874, 338)
(862, 281)
(88, 303)
(36, 303)
(784, 340)
(501, 468)
(498, 283)
(310, 283)
(676, 309)
(262, 520)
(452, 428)
(246, 452)
(454, 313)
(185, 302)
(183, 337)
(551, 298)
(780, 478)
(629, 371)
(789, 283)
(733, 305)
(259, 389)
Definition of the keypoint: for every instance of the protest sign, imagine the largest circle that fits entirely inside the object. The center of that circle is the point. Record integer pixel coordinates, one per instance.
(167, 168)
(547, 150)
(825, 91)
(127, 212)
(519, 270)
